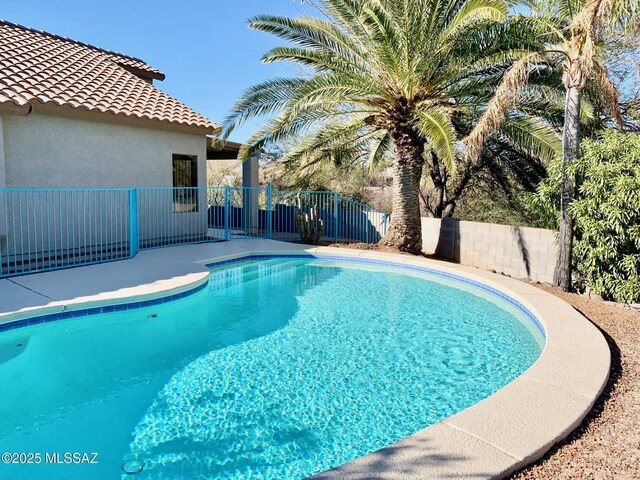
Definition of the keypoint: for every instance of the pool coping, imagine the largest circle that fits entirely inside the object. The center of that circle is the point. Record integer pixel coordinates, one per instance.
(491, 439)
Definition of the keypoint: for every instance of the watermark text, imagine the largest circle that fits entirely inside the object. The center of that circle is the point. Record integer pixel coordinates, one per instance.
(61, 458)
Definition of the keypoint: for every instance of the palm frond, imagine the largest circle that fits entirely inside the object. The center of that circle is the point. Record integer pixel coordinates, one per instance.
(435, 125)
(331, 142)
(262, 99)
(514, 80)
(473, 11)
(608, 92)
(311, 33)
(317, 60)
(381, 148)
(283, 128)
(533, 136)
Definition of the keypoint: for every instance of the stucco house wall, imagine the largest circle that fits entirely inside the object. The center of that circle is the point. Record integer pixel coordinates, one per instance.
(50, 152)
(43, 151)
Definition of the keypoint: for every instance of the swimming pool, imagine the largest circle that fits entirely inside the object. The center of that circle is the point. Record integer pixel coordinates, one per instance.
(280, 368)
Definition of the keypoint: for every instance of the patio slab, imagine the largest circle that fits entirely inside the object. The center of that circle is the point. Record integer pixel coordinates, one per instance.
(16, 298)
(150, 274)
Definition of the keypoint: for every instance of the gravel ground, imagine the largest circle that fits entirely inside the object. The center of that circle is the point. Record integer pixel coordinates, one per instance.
(607, 443)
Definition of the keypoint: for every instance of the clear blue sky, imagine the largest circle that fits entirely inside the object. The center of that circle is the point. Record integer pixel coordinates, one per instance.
(205, 48)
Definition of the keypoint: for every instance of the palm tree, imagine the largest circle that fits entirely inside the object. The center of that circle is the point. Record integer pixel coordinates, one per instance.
(578, 30)
(586, 30)
(389, 73)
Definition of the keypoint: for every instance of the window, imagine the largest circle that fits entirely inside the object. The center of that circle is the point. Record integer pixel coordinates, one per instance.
(185, 181)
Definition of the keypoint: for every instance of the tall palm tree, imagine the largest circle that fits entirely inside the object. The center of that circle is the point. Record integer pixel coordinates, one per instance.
(592, 20)
(387, 73)
(577, 32)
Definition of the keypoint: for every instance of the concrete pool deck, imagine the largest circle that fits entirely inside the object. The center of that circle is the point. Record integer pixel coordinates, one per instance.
(490, 439)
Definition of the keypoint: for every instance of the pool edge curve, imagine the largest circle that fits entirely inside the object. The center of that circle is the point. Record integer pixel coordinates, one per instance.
(491, 439)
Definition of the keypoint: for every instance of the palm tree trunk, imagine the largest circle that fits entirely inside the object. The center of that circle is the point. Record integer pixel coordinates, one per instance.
(570, 146)
(405, 229)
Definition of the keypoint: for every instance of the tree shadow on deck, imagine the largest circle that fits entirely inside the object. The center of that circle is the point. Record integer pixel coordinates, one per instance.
(423, 456)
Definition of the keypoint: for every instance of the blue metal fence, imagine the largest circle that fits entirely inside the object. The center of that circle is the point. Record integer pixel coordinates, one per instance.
(47, 229)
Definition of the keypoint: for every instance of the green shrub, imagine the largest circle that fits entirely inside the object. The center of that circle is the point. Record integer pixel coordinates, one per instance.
(606, 212)
(544, 203)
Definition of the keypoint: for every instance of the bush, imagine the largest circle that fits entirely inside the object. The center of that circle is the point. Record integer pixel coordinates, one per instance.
(606, 213)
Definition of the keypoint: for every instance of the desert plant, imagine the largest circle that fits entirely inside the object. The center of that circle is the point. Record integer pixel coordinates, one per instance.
(310, 225)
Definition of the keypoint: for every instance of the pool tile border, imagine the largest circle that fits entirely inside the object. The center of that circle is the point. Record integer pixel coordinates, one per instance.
(437, 273)
(84, 312)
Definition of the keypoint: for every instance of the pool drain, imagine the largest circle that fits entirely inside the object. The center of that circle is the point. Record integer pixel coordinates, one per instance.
(153, 315)
(132, 467)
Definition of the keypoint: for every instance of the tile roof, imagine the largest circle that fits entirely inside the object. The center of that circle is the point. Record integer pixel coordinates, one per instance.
(40, 67)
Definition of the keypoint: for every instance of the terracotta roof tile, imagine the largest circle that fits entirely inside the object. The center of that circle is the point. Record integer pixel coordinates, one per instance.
(37, 66)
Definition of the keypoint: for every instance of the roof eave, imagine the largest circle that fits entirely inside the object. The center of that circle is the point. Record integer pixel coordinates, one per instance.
(10, 108)
(143, 73)
(121, 119)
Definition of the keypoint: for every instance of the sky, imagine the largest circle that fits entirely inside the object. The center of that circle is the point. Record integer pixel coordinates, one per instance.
(205, 48)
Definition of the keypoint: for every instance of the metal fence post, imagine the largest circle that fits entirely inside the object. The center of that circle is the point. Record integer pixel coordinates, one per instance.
(226, 213)
(6, 234)
(269, 212)
(134, 236)
(366, 225)
(335, 215)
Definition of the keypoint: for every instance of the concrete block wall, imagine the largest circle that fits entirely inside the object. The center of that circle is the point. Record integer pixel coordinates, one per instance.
(519, 252)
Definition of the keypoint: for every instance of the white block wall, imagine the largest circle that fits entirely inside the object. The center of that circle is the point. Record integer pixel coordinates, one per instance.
(520, 252)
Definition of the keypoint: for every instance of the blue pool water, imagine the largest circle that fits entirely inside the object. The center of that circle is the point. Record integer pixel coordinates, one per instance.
(280, 369)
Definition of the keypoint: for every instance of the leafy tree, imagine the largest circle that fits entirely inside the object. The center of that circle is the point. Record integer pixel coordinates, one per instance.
(482, 201)
(392, 74)
(606, 212)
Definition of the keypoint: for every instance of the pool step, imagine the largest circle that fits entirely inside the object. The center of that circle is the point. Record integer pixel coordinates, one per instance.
(236, 274)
